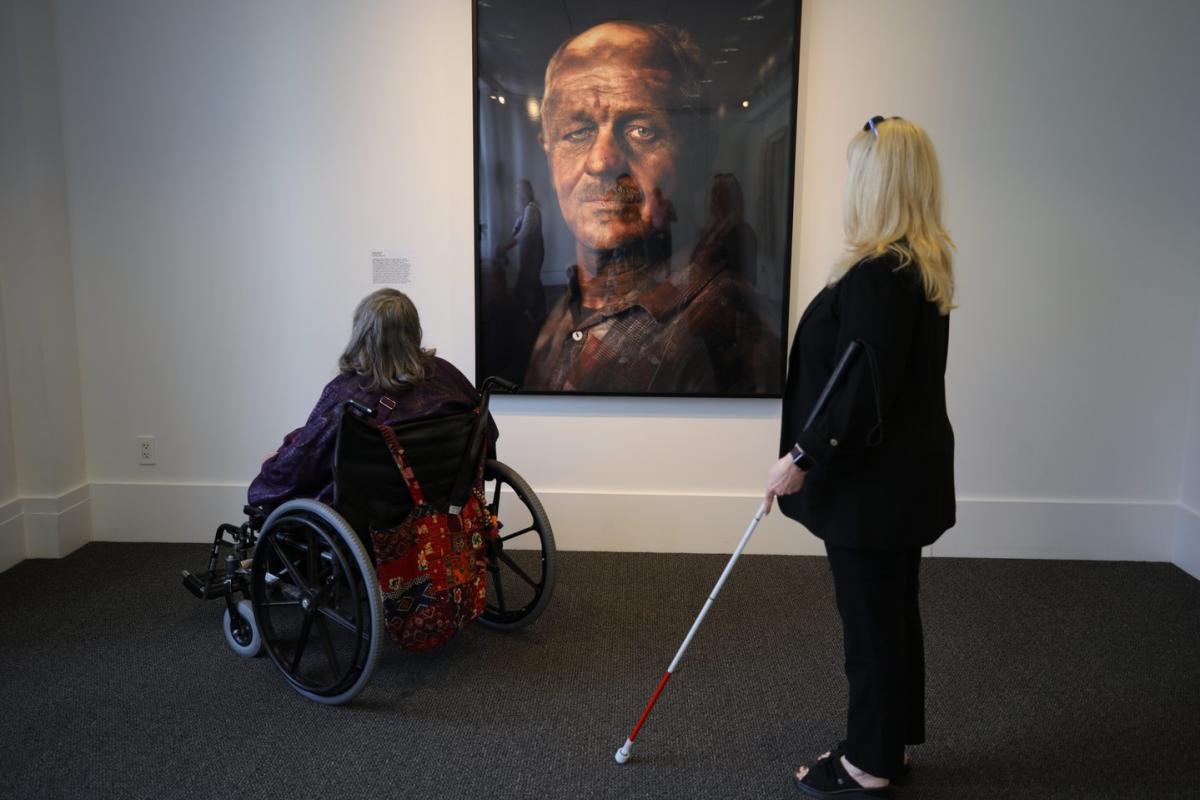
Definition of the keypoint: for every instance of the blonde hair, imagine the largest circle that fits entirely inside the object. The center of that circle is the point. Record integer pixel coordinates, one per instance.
(894, 204)
(385, 344)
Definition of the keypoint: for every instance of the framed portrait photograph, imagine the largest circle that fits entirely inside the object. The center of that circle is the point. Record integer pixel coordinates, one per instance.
(634, 165)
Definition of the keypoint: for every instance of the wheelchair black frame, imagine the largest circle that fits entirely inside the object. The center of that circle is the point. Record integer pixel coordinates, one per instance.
(235, 579)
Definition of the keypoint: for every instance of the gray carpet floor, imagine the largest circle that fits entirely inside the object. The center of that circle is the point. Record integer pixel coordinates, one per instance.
(1047, 679)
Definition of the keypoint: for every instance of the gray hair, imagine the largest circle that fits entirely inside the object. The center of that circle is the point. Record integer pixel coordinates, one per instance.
(385, 344)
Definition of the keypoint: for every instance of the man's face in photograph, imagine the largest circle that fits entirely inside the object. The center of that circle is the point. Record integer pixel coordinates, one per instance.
(608, 133)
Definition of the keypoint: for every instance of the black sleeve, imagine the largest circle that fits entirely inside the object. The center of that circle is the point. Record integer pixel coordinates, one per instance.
(877, 306)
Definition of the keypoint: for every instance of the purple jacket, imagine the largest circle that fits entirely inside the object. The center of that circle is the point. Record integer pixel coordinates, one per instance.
(303, 465)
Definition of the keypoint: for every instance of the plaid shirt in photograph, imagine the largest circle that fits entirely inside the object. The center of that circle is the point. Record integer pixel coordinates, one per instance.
(670, 328)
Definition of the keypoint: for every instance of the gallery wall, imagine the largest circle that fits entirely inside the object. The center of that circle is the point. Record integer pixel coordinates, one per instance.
(1070, 183)
(12, 533)
(41, 439)
(1187, 538)
(230, 167)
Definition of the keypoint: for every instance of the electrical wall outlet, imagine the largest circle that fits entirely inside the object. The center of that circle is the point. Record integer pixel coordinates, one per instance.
(145, 450)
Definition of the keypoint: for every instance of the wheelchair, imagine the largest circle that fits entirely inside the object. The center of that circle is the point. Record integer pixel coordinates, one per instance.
(300, 585)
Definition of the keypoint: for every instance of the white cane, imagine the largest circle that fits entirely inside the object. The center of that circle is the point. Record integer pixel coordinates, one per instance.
(624, 751)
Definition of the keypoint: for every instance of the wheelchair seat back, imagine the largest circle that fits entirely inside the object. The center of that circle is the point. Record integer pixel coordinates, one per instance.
(369, 489)
(430, 560)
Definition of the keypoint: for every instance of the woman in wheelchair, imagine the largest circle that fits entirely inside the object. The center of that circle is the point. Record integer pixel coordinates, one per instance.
(384, 367)
(382, 516)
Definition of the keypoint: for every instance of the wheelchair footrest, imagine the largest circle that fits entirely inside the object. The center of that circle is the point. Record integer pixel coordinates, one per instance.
(203, 589)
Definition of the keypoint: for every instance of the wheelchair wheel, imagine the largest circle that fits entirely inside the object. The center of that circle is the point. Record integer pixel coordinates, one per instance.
(317, 601)
(241, 632)
(522, 565)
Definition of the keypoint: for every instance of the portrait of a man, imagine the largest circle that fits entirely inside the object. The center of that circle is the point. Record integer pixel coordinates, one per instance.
(659, 286)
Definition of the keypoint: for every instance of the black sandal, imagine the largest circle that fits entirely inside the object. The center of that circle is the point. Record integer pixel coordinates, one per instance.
(828, 778)
(902, 777)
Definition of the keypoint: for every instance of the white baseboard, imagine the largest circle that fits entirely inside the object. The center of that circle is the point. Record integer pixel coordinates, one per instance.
(45, 527)
(1186, 551)
(1090, 530)
(57, 526)
(670, 523)
(141, 512)
(12, 534)
(163, 512)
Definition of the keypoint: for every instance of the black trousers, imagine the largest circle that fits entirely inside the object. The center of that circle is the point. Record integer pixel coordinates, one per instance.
(877, 597)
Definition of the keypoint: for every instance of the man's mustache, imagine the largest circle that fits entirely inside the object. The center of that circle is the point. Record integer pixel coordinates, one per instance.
(621, 191)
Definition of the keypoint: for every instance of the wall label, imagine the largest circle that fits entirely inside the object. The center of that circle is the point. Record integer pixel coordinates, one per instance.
(389, 267)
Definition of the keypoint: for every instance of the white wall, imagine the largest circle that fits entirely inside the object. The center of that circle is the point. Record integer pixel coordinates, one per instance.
(8, 463)
(1187, 536)
(1063, 131)
(1190, 483)
(44, 407)
(12, 532)
(230, 166)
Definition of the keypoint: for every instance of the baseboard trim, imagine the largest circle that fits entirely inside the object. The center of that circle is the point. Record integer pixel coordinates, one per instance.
(1185, 553)
(163, 512)
(12, 535)
(1076, 529)
(45, 527)
(699, 523)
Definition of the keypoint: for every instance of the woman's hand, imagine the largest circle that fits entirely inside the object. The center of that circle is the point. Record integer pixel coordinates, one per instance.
(784, 478)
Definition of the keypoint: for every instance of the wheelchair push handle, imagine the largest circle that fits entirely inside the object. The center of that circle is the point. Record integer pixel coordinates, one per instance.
(494, 381)
(500, 383)
(462, 483)
(359, 408)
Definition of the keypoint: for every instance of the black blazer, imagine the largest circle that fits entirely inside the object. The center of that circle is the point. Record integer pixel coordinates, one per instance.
(883, 446)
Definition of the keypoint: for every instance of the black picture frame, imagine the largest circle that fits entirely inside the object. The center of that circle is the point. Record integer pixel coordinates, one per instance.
(725, 271)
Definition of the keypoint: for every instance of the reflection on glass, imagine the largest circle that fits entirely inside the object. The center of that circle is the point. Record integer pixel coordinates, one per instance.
(638, 272)
(726, 237)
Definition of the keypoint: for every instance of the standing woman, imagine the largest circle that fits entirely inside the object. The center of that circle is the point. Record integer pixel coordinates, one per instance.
(873, 475)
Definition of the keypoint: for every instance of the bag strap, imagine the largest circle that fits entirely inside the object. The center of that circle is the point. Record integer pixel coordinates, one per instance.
(464, 482)
(397, 451)
(470, 473)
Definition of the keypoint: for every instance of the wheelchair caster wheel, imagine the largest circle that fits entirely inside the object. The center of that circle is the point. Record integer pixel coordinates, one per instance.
(243, 637)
